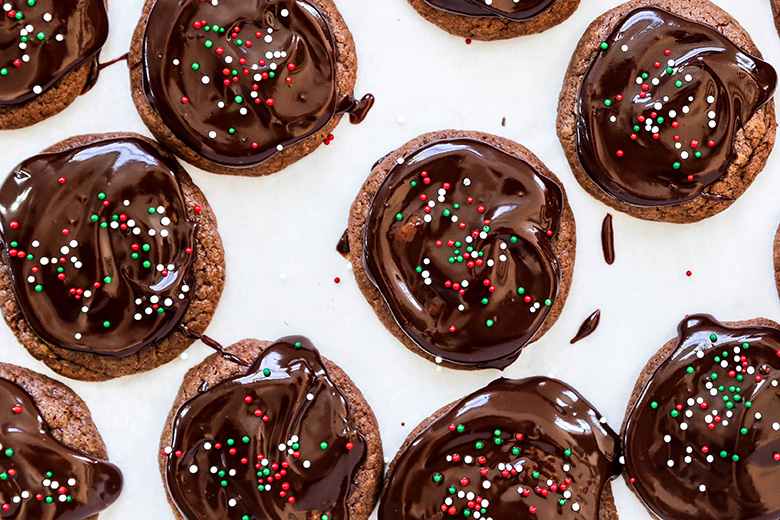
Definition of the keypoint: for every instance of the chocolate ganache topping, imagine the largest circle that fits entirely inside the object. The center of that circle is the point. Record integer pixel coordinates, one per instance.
(41, 478)
(99, 245)
(276, 443)
(703, 439)
(528, 449)
(239, 80)
(43, 40)
(660, 107)
(458, 243)
(516, 10)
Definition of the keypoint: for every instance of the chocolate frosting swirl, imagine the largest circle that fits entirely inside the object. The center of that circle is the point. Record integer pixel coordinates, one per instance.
(44, 41)
(515, 10)
(703, 438)
(660, 107)
(99, 245)
(41, 478)
(239, 80)
(277, 443)
(458, 242)
(529, 449)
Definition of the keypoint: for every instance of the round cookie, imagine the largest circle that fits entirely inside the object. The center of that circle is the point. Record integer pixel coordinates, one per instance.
(288, 420)
(111, 261)
(44, 69)
(701, 434)
(665, 127)
(48, 436)
(529, 449)
(776, 13)
(496, 20)
(244, 88)
(473, 229)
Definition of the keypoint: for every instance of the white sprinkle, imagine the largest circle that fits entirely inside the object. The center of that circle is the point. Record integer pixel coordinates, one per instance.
(670, 463)
(212, 134)
(306, 464)
(138, 316)
(575, 507)
(702, 488)
(713, 124)
(486, 484)
(193, 469)
(672, 114)
(466, 181)
(84, 309)
(656, 81)
(205, 80)
(37, 89)
(30, 279)
(686, 109)
(221, 104)
(684, 155)
(280, 148)
(710, 99)
(64, 250)
(44, 261)
(688, 78)
(176, 62)
(438, 359)
(624, 48)
(163, 233)
(87, 294)
(77, 336)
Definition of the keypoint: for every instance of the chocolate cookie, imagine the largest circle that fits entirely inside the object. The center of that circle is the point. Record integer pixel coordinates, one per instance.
(495, 19)
(702, 430)
(54, 463)
(666, 111)
(244, 87)
(529, 449)
(464, 245)
(50, 56)
(776, 13)
(284, 436)
(111, 259)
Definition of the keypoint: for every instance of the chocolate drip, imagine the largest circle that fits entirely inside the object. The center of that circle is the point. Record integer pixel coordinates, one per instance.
(514, 10)
(256, 77)
(213, 344)
(588, 326)
(608, 240)
(527, 449)
(343, 246)
(32, 460)
(99, 245)
(458, 243)
(660, 107)
(703, 438)
(356, 108)
(66, 34)
(286, 399)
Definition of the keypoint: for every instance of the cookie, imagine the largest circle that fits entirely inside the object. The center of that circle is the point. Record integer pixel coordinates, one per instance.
(464, 245)
(529, 449)
(284, 436)
(51, 50)
(776, 13)
(702, 429)
(244, 88)
(495, 19)
(111, 258)
(54, 462)
(666, 110)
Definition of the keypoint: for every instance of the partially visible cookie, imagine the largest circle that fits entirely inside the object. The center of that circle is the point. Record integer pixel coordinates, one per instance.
(464, 245)
(666, 110)
(111, 257)
(702, 428)
(244, 88)
(528, 449)
(776, 13)
(54, 462)
(50, 56)
(495, 19)
(287, 436)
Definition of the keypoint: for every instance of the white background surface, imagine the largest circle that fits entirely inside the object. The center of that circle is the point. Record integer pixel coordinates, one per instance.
(280, 234)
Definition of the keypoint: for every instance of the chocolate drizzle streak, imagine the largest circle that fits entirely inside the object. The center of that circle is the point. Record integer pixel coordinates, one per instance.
(608, 240)
(343, 246)
(212, 344)
(74, 34)
(678, 91)
(588, 326)
(32, 460)
(458, 243)
(514, 10)
(256, 77)
(285, 400)
(526, 449)
(99, 245)
(703, 438)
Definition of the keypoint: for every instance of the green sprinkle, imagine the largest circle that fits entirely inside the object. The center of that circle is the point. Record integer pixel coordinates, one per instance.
(297, 344)
(266, 372)
(678, 83)
(479, 445)
(714, 376)
(40, 36)
(636, 128)
(535, 474)
(676, 165)
(689, 370)
(645, 75)
(513, 239)
(460, 428)
(245, 439)
(675, 413)
(451, 490)
(723, 454)
(3, 72)
(567, 453)
(398, 216)
(135, 256)
(107, 279)
(697, 154)
(735, 458)
(102, 196)
(31, 3)
(608, 102)
(484, 301)
(19, 16)
(49, 500)
(104, 225)
(106, 324)
(489, 323)
(147, 264)
(659, 119)
(604, 45)
(9, 452)
(231, 130)
(208, 44)
(238, 99)
(446, 213)
(94, 218)
(520, 290)
(146, 247)
(195, 66)
(713, 337)
(654, 405)
(745, 345)
(743, 431)
(515, 451)
(548, 302)
(230, 442)
(38, 288)
(437, 477)
(324, 445)
(223, 483)
(669, 70)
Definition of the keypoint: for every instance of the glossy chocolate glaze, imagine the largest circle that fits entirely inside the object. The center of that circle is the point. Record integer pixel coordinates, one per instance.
(702, 439)
(65, 34)
(608, 240)
(528, 449)
(679, 92)
(290, 430)
(37, 469)
(277, 57)
(588, 326)
(507, 215)
(93, 270)
(518, 11)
